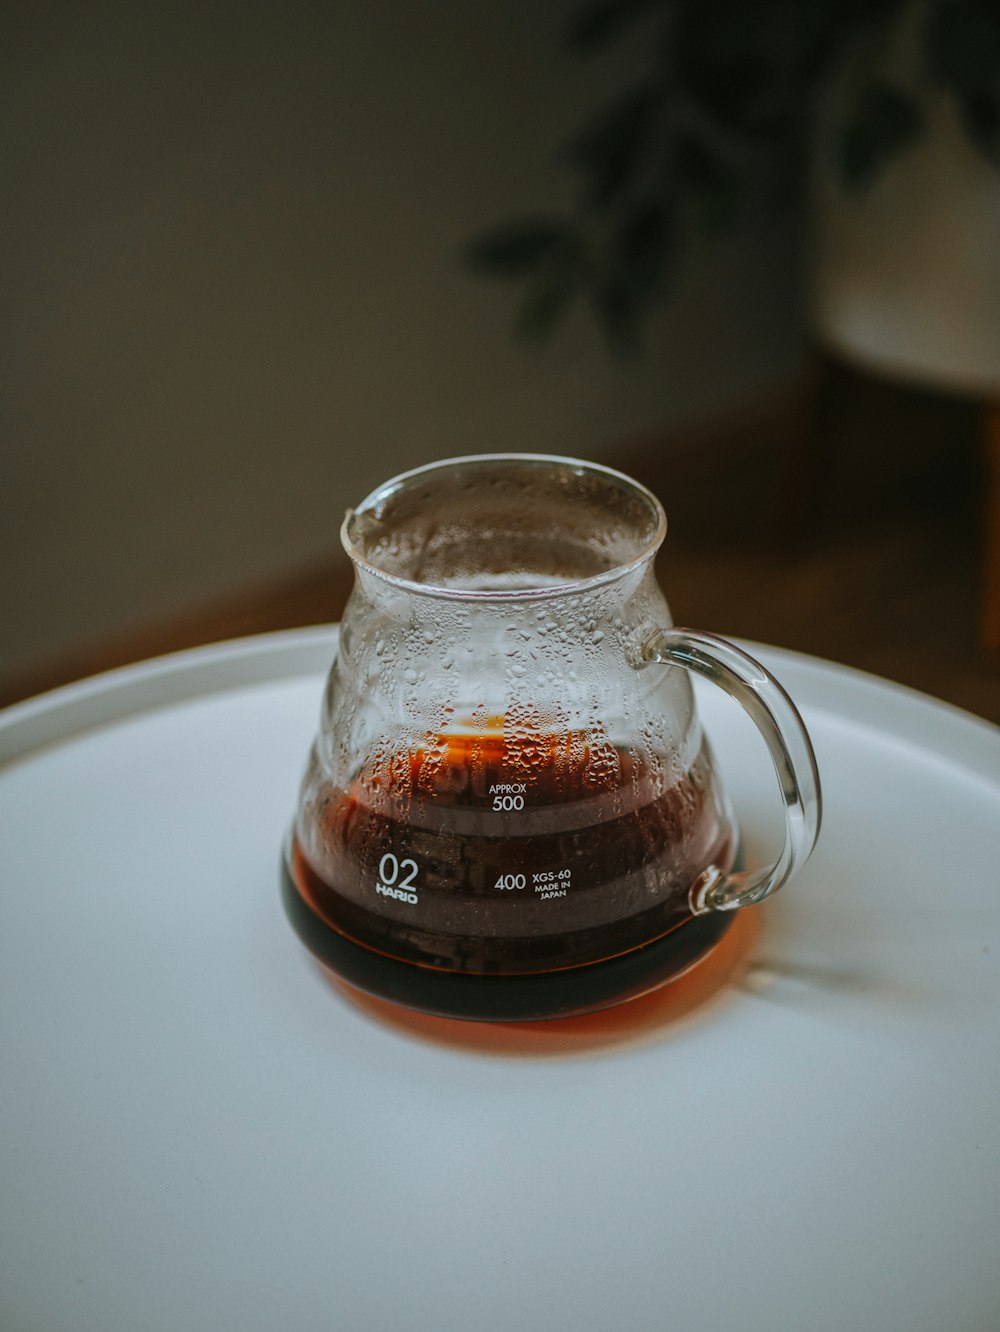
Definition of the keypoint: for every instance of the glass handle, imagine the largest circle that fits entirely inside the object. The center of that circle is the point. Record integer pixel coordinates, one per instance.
(788, 743)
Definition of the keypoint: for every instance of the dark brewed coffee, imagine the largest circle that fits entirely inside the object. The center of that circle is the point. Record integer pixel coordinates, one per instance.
(511, 864)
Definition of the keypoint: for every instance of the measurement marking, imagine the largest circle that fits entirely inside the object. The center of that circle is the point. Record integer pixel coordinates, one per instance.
(389, 869)
(507, 803)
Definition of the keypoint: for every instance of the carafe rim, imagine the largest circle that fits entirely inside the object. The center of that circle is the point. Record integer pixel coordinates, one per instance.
(569, 587)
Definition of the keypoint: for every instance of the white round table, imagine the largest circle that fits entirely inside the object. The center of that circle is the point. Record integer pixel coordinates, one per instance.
(199, 1130)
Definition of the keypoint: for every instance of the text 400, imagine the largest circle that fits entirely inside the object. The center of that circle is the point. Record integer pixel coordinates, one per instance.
(510, 881)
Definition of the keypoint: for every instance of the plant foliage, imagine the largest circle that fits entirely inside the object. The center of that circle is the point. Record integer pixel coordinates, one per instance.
(718, 124)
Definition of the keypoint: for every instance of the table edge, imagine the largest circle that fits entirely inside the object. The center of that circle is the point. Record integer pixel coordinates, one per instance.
(816, 684)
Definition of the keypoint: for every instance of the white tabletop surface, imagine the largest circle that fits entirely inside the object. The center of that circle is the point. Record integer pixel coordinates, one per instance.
(198, 1130)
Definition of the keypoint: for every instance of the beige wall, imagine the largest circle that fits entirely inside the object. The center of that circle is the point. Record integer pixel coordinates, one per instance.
(233, 299)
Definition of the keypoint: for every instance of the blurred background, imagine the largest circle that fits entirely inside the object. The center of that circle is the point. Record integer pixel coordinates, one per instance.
(237, 295)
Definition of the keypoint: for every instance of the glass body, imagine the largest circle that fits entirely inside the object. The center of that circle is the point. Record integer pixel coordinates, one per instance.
(510, 808)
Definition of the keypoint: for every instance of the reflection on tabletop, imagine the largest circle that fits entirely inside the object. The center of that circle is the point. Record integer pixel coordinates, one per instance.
(688, 998)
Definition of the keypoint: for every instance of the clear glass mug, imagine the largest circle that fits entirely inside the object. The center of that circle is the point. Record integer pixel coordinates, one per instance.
(510, 810)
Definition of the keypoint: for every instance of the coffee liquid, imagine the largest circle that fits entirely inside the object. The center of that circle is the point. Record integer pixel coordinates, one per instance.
(491, 876)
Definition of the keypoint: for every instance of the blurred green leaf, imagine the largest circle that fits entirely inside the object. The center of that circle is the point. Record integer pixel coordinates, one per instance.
(615, 308)
(516, 249)
(716, 188)
(722, 60)
(546, 305)
(609, 147)
(962, 44)
(884, 122)
(642, 247)
(597, 24)
(979, 112)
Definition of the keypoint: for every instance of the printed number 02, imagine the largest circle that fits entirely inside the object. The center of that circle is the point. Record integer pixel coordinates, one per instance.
(389, 868)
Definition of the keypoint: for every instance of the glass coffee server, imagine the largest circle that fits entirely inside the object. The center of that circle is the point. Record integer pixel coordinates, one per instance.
(510, 810)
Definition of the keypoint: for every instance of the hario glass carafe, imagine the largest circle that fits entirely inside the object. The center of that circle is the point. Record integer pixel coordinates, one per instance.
(510, 809)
